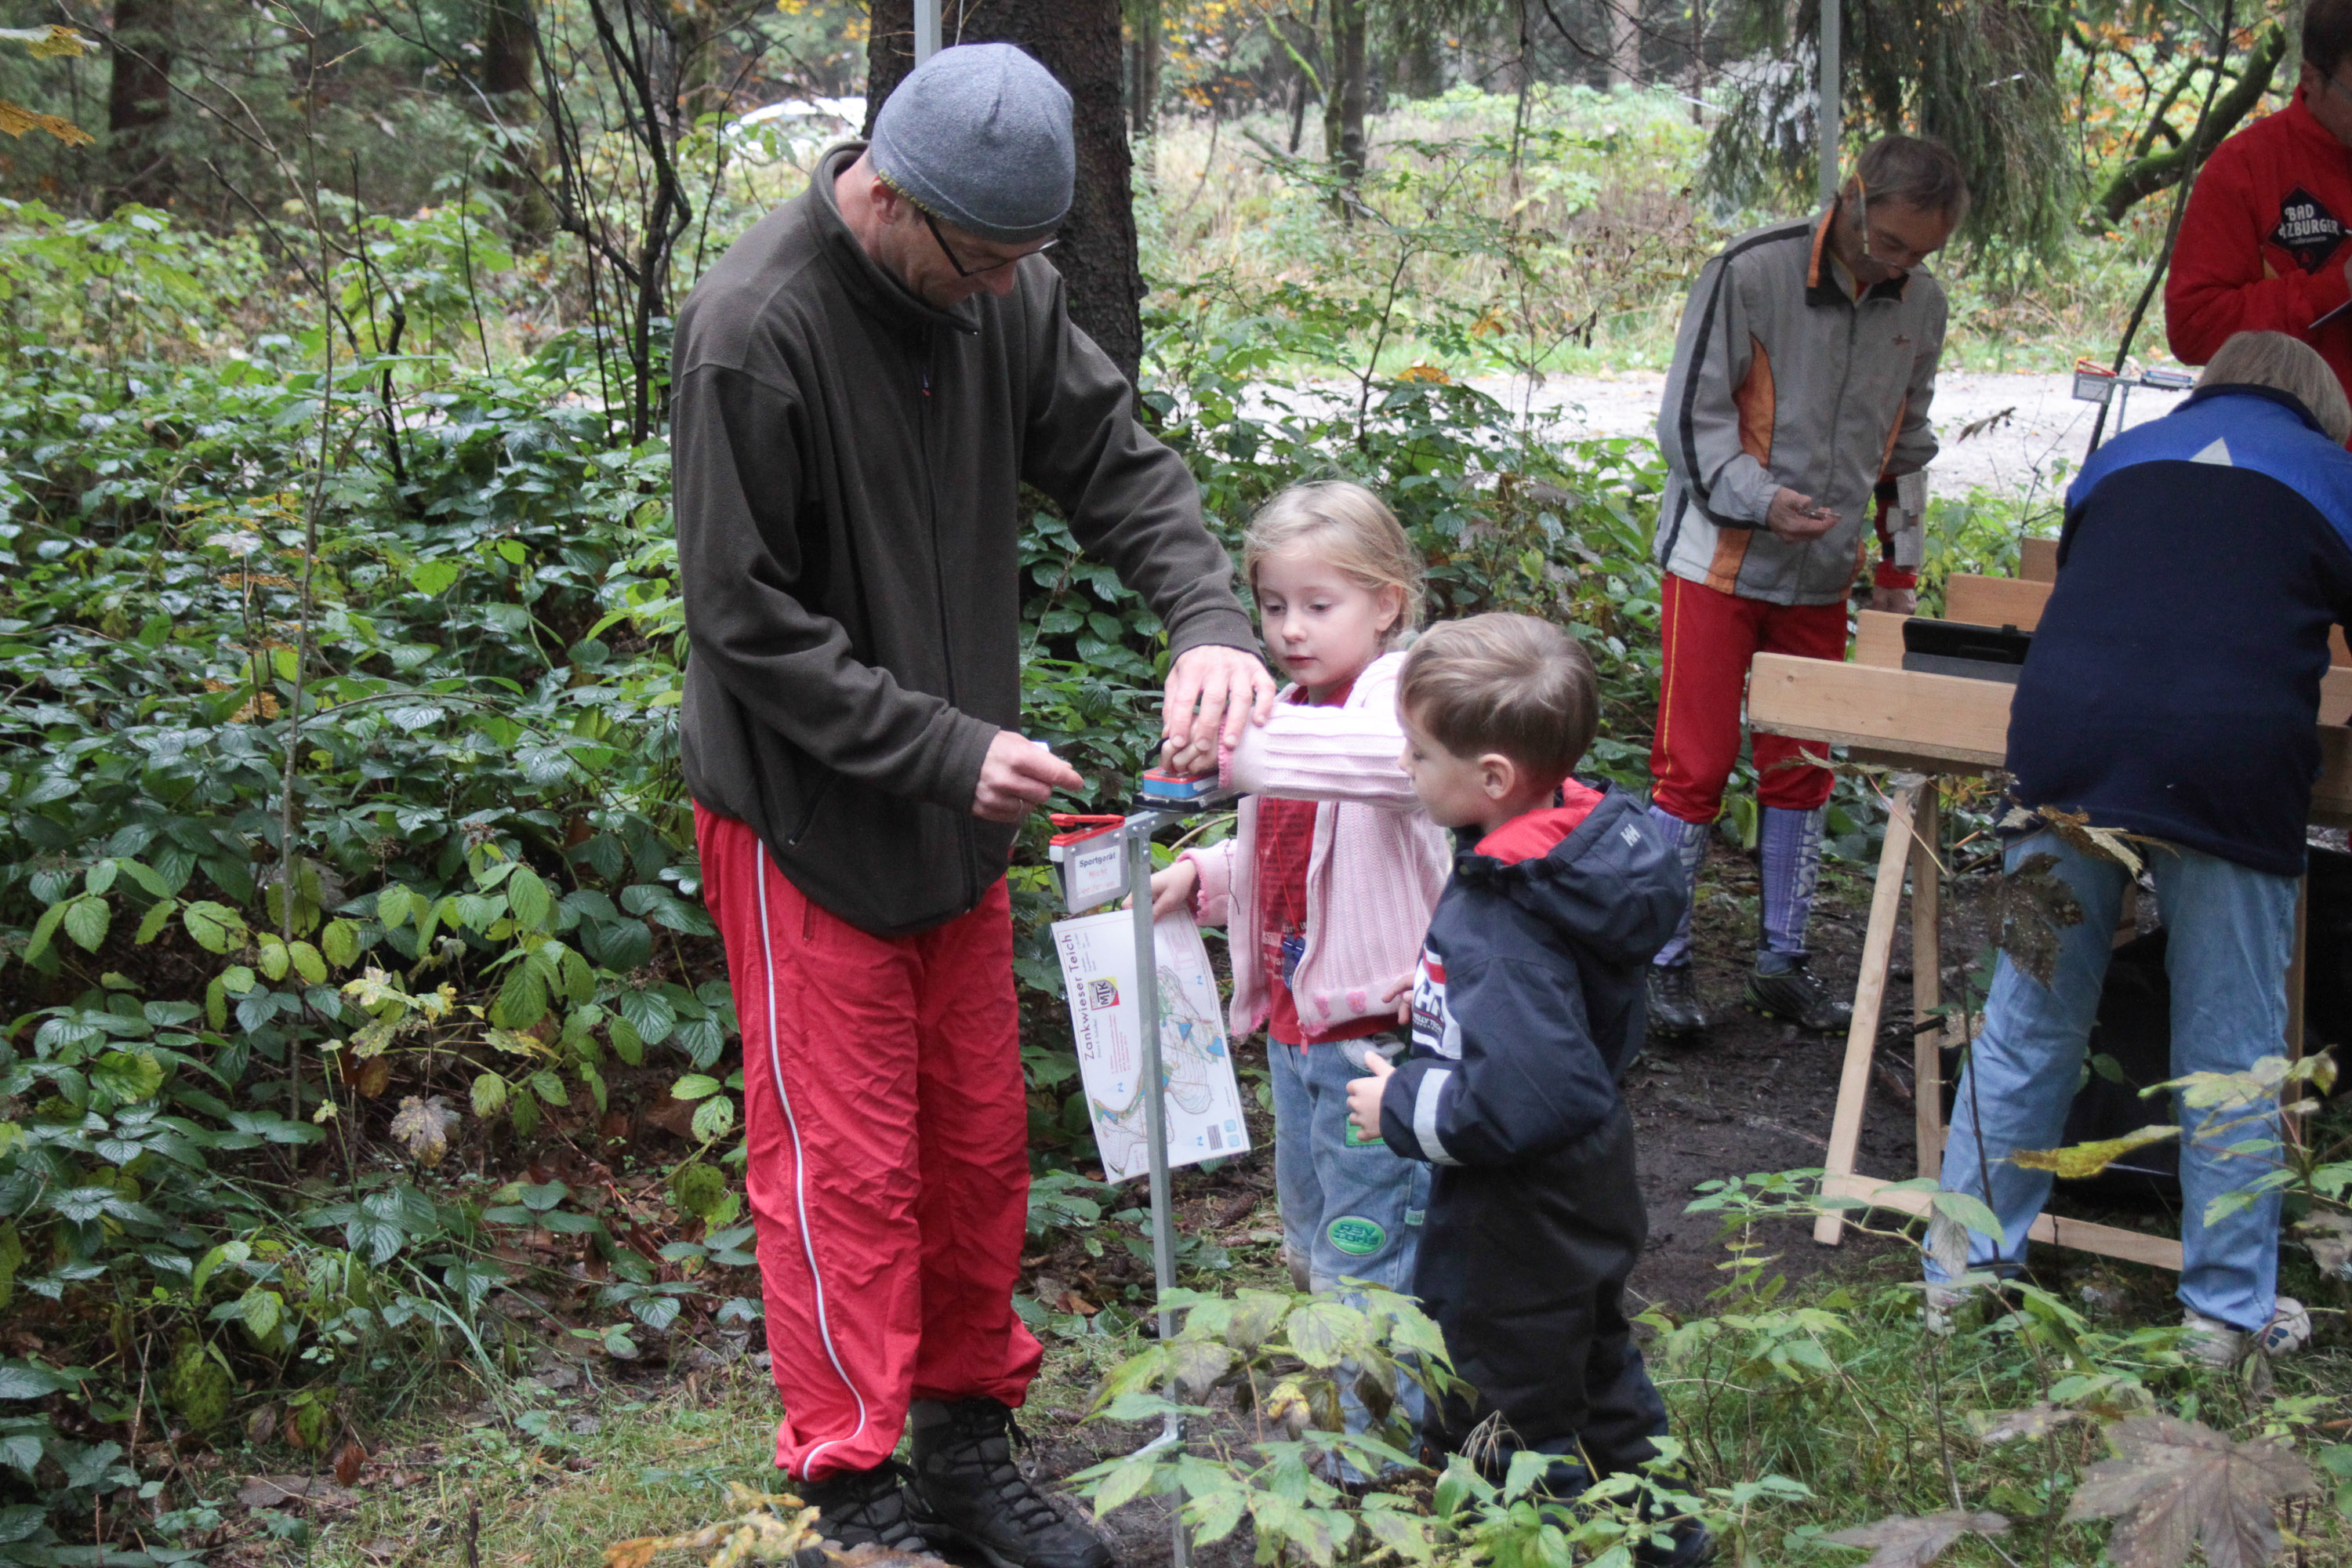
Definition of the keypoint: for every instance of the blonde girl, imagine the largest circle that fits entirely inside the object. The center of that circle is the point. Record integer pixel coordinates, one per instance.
(1327, 886)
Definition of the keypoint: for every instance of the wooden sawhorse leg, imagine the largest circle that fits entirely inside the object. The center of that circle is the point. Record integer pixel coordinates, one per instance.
(1870, 996)
(1928, 978)
(1912, 847)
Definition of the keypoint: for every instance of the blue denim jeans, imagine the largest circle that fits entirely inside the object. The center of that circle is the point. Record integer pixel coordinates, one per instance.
(1351, 1209)
(2229, 934)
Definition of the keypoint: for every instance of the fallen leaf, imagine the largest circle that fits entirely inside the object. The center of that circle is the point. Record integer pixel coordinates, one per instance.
(279, 1491)
(1903, 1541)
(2329, 1237)
(2028, 907)
(423, 1125)
(2174, 1481)
(350, 1459)
(874, 1555)
(2077, 1160)
(1992, 1427)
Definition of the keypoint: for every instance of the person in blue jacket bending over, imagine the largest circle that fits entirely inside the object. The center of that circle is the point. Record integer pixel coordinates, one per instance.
(2172, 693)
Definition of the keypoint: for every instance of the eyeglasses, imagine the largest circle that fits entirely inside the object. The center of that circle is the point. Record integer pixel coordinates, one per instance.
(963, 271)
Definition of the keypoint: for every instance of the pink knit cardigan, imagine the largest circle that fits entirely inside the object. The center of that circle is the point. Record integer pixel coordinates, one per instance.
(1372, 877)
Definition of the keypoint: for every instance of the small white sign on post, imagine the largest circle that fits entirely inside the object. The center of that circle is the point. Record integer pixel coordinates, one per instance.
(1203, 1097)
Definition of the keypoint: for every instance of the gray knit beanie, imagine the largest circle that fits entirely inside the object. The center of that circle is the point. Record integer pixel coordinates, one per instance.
(979, 135)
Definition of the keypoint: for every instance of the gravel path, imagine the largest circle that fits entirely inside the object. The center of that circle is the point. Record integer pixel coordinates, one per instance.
(2038, 433)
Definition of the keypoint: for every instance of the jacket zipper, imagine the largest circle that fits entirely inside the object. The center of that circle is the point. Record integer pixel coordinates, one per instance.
(939, 592)
(1837, 414)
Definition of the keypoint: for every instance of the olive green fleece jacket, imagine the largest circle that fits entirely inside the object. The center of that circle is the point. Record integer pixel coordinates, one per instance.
(848, 464)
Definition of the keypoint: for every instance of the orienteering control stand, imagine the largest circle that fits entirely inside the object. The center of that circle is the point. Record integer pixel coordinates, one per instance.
(1085, 860)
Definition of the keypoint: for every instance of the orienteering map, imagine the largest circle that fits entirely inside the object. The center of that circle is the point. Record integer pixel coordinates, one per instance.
(1204, 1100)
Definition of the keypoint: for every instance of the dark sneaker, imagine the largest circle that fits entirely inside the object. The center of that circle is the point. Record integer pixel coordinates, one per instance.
(860, 1508)
(968, 1491)
(1674, 1001)
(1794, 996)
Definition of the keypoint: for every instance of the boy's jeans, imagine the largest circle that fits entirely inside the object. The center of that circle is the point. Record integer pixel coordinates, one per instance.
(2230, 932)
(1350, 1208)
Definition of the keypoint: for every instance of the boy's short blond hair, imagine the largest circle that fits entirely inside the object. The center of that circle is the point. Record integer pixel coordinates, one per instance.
(1504, 683)
(1347, 526)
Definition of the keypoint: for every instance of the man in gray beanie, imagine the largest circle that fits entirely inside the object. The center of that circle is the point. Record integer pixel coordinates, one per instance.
(862, 385)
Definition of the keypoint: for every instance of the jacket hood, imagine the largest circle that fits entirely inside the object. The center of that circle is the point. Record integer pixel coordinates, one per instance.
(1606, 881)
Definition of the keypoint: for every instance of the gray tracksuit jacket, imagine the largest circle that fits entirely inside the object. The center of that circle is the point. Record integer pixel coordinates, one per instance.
(1781, 377)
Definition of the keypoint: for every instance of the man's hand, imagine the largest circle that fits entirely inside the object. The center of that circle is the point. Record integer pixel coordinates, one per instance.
(1231, 689)
(1364, 1094)
(1893, 601)
(1795, 520)
(1016, 776)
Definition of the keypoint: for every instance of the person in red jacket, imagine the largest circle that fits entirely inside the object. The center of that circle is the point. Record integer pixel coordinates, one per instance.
(2261, 246)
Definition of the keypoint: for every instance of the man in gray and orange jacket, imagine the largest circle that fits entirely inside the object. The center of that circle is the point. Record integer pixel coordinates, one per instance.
(1796, 410)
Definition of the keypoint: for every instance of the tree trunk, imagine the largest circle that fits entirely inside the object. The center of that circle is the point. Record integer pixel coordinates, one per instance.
(2143, 177)
(510, 72)
(1343, 103)
(138, 101)
(1078, 41)
(1144, 79)
(1302, 46)
(1699, 60)
(510, 47)
(1624, 44)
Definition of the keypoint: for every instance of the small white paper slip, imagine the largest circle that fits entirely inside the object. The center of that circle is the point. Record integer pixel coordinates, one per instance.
(1094, 868)
(1204, 1102)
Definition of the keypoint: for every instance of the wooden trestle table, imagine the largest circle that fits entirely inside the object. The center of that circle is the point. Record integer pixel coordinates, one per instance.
(1929, 728)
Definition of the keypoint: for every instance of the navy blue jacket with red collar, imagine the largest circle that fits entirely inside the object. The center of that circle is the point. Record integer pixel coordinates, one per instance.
(1531, 998)
(2172, 687)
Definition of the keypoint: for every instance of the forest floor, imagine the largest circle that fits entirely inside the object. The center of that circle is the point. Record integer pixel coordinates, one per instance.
(580, 1451)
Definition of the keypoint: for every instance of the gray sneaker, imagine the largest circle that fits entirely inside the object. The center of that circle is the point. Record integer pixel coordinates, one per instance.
(2222, 1345)
(1674, 1006)
(1788, 991)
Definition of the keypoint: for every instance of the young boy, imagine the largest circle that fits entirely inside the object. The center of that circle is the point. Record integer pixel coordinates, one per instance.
(1528, 1003)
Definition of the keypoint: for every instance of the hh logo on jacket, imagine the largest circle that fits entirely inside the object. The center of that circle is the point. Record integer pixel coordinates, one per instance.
(2306, 229)
(1434, 1029)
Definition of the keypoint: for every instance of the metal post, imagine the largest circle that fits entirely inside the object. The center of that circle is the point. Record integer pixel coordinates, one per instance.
(1155, 1114)
(1830, 116)
(926, 30)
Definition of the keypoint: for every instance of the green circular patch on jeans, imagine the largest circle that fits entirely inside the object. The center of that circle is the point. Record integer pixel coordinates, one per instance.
(1356, 1235)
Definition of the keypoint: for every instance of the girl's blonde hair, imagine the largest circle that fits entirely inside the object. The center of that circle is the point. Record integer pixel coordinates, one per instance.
(1351, 528)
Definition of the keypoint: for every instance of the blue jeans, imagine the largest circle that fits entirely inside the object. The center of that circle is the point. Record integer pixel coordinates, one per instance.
(1349, 1207)
(2229, 934)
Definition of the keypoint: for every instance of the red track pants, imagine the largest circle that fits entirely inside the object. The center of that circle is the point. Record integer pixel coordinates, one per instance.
(1710, 637)
(889, 1167)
